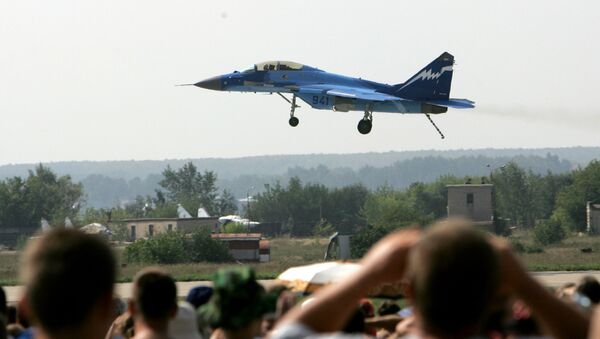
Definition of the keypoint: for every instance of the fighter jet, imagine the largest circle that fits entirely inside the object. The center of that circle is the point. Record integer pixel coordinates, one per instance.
(427, 92)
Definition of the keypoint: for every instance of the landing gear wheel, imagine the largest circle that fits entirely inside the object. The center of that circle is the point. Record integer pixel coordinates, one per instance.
(294, 121)
(364, 126)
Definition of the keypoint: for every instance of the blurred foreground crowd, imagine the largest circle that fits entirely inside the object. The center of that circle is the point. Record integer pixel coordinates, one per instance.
(458, 283)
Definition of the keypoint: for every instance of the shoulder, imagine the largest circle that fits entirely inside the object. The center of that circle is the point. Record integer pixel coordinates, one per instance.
(297, 330)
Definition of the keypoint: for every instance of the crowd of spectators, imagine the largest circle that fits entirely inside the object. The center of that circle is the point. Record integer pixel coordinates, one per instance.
(458, 282)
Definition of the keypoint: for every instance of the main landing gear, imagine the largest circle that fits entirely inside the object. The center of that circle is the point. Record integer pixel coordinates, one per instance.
(293, 120)
(366, 123)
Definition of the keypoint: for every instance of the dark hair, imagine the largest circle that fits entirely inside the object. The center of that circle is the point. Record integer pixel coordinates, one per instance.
(154, 294)
(590, 287)
(3, 306)
(388, 307)
(12, 315)
(69, 272)
(356, 323)
(454, 273)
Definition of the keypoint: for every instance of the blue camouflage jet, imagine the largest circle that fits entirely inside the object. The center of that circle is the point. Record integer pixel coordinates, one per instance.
(427, 92)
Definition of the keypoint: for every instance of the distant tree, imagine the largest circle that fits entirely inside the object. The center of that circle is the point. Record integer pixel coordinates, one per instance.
(24, 202)
(226, 204)
(177, 247)
(234, 227)
(390, 209)
(571, 202)
(513, 195)
(549, 232)
(191, 188)
(302, 206)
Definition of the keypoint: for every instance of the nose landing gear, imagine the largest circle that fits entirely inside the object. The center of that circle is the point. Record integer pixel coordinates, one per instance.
(293, 120)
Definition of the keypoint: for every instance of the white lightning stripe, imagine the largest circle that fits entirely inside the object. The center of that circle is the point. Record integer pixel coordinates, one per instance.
(428, 75)
(341, 94)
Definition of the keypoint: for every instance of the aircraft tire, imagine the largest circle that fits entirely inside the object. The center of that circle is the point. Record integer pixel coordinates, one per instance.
(294, 121)
(364, 126)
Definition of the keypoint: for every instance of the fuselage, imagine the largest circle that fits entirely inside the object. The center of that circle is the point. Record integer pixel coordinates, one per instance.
(289, 77)
(285, 81)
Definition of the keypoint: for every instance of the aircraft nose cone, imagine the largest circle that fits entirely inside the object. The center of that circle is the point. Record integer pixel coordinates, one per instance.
(213, 83)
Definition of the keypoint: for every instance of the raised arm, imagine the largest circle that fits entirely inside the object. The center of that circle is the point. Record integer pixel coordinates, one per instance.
(333, 305)
(559, 318)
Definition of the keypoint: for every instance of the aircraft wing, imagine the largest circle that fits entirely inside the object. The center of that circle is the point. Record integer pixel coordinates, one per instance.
(361, 93)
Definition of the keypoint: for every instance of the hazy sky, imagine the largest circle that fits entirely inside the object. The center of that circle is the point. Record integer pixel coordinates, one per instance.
(94, 80)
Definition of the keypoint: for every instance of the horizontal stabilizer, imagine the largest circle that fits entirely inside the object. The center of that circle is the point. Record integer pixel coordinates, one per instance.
(453, 103)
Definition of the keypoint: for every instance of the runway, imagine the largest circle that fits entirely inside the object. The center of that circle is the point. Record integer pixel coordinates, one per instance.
(123, 290)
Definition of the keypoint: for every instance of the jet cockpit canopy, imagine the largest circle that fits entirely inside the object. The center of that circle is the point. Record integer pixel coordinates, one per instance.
(278, 66)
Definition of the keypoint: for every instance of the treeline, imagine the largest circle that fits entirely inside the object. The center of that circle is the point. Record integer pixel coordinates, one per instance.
(24, 202)
(104, 191)
(269, 165)
(522, 197)
(186, 188)
(42, 194)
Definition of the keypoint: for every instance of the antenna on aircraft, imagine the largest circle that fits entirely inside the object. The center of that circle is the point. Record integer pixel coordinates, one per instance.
(434, 125)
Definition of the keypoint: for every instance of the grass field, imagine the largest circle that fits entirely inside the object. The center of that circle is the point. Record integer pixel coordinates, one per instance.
(566, 256)
(287, 252)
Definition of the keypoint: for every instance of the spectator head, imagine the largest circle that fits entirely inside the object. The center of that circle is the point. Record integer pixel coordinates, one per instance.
(238, 302)
(3, 305)
(199, 296)
(367, 307)
(154, 298)
(453, 274)
(69, 280)
(388, 307)
(12, 314)
(356, 323)
(185, 324)
(590, 288)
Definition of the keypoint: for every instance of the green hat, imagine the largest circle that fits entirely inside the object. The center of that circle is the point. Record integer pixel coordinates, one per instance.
(237, 300)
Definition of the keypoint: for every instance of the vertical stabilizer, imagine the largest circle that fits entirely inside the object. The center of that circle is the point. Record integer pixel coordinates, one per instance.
(431, 83)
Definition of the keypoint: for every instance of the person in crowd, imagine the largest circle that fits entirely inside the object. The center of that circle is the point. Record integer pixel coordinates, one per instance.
(3, 314)
(279, 301)
(69, 278)
(13, 327)
(237, 305)
(388, 307)
(454, 274)
(589, 288)
(185, 323)
(199, 295)
(153, 303)
(122, 327)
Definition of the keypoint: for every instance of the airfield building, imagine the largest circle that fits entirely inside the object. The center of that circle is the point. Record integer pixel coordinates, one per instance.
(473, 201)
(149, 227)
(245, 246)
